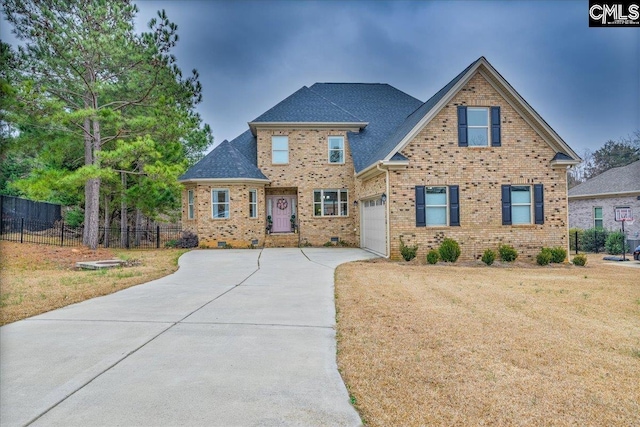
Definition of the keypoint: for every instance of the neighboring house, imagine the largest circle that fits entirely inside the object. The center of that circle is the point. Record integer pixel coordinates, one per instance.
(368, 165)
(592, 203)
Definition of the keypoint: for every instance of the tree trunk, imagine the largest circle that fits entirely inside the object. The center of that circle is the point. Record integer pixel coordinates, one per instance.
(138, 226)
(123, 212)
(95, 184)
(107, 221)
(88, 160)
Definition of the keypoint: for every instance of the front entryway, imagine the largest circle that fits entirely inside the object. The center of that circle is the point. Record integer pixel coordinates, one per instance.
(280, 208)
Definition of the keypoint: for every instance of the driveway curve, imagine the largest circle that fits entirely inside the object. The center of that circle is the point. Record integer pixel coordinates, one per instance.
(234, 337)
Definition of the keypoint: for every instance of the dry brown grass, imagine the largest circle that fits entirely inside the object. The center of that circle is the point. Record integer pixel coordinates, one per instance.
(36, 278)
(476, 345)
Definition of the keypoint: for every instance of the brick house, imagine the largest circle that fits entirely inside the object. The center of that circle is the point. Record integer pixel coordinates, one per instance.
(367, 164)
(592, 204)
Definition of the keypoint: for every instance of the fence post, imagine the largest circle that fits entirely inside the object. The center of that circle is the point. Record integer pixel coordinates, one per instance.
(62, 234)
(21, 229)
(127, 245)
(157, 236)
(576, 242)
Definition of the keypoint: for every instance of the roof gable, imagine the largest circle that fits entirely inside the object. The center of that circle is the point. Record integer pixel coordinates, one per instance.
(423, 115)
(624, 179)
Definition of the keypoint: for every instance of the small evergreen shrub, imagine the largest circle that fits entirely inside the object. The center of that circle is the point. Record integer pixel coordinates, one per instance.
(580, 260)
(408, 252)
(507, 253)
(171, 243)
(558, 254)
(593, 240)
(488, 256)
(615, 243)
(327, 244)
(433, 256)
(544, 256)
(449, 250)
(74, 217)
(187, 240)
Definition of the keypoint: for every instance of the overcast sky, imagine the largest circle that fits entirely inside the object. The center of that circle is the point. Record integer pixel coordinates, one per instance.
(585, 82)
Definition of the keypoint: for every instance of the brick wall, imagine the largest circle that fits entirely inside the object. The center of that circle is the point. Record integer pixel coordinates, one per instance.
(436, 159)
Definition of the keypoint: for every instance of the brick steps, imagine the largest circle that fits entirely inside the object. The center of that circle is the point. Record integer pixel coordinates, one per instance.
(282, 240)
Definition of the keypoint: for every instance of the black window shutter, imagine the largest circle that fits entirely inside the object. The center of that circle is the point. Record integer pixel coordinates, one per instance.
(454, 206)
(462, 127)
(506, 205)
(538, 197)
(421, 219)
(495, 127)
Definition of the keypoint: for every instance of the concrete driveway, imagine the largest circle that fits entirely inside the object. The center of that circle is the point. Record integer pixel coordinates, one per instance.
(234, 337)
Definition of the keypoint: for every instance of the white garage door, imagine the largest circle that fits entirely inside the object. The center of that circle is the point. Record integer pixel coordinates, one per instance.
(374, 226)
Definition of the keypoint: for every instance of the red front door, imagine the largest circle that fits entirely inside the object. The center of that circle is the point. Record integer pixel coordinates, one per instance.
(281, 213)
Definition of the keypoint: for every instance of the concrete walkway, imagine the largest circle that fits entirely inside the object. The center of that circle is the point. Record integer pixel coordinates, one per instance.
(234, 337)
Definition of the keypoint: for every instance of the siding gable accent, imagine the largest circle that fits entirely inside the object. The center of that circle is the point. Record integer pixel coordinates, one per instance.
(421, 218)
(454, 205)
(538, 197)
(462, 127)
(506, 205)
(495, 127)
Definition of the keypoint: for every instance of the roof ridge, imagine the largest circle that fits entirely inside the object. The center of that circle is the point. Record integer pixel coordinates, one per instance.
(336, 105)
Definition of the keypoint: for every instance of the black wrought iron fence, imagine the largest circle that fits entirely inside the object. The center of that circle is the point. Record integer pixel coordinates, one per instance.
(58, 233)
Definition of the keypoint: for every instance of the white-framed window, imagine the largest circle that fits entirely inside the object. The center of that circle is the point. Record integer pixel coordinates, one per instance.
(336, 149)
(597, 217)
(436, 206)
(253, 203)
(478, 126)
(280, 150)
(521, 204)
(190, 205)
(219, 203)
(330, 203)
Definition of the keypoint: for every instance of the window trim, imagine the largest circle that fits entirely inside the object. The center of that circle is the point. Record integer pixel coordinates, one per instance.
(253, 203)
(321, 203)
(191, 204)
(446, 206)
(273, 150)
(329, 150)
(228, 203)
(530, 204)
(488, 126)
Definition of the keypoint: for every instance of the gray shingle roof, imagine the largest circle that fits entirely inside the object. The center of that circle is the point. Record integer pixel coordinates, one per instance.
(224, 161)
(617, 180)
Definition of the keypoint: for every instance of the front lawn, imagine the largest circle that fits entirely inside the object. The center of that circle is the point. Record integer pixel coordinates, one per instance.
(475, 345)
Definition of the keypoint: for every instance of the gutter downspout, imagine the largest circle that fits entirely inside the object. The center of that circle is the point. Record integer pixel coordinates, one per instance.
(388, 218)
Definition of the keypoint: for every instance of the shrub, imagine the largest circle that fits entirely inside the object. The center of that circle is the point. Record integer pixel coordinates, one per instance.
(544, 256)
(615, 243)
(593, 240)
(408, 252)
(449, 250)
(74, 217)
(507, 253)
(558, 254)
(488, 256)
(327, 244)
(171, 243)
(433, 256)
(187, 240)
(580, 260)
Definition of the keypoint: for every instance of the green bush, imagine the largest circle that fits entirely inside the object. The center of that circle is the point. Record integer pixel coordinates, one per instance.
(558, 254)
(449, 250)
(408, 252)
(580, 260)
(544, 256)
(171, 244)
(488, 256)
(593, 240)
(433, 256)
(74, 217)
(507, 253)
(572, 238)
(616, 243)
